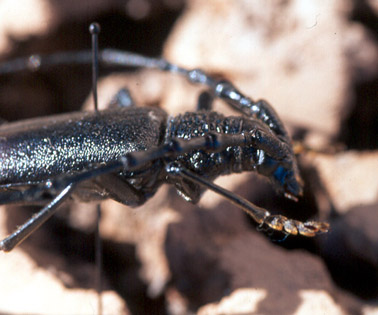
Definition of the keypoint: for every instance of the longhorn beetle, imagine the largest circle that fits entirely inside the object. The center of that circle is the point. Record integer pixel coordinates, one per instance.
(126, 152)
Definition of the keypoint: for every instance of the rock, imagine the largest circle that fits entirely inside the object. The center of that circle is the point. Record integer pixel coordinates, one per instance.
(29, 288)
(373, 5)
(246, 301)
(351, 178)
(146, 228)
(240, 301)
(12, 15)
(212, 259)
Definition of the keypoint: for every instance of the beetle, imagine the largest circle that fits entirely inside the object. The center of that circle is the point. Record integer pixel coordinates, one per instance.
(126, 152)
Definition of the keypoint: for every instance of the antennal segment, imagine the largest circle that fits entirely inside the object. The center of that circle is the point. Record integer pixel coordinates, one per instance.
(94, 29)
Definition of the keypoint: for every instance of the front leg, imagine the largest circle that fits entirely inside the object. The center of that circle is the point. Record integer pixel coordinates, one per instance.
(259, 215)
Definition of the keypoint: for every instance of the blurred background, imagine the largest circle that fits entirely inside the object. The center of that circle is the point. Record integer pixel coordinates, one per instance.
(316, 62)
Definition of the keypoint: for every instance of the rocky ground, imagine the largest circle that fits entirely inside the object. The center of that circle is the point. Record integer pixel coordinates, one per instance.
(316, 62)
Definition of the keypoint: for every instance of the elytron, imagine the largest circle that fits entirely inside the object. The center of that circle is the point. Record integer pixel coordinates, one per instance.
(127, 152)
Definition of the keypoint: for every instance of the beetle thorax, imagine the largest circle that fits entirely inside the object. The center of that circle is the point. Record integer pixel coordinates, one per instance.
(231, 160)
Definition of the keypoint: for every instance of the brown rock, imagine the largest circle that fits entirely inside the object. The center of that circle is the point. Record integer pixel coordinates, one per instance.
(351, 178)
(28, 288)
(212, 258)
(146, 228)
(246, 301)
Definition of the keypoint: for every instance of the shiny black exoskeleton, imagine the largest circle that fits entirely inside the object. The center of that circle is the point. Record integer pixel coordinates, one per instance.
(127, 152)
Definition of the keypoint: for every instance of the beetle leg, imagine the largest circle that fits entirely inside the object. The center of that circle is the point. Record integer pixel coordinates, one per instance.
(23, 231)
(18, 196)
(120, 190)
(205, 101)
(259, 215)
(117, 188)
(294, 227)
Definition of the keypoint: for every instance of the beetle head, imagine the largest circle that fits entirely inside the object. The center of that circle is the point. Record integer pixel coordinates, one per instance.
(284, 175)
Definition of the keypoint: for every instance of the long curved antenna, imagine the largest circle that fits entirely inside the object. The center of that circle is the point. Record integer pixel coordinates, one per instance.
(112, 57)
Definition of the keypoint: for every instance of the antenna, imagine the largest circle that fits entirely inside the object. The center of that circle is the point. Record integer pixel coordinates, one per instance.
(94, 29)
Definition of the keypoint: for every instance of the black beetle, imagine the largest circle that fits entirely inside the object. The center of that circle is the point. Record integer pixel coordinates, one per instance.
(127, 152)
